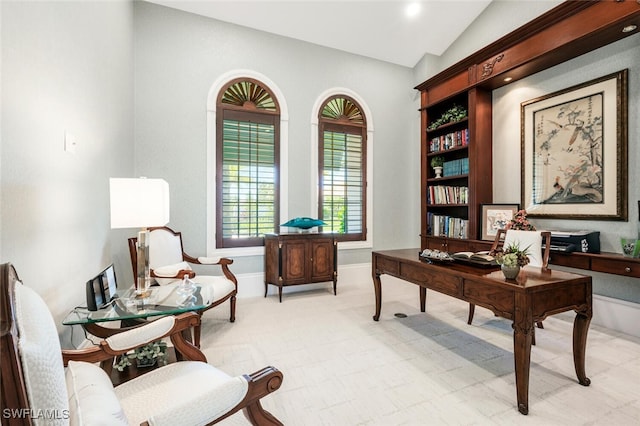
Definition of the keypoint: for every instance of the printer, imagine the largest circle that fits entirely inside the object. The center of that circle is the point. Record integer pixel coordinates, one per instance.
(580, 241)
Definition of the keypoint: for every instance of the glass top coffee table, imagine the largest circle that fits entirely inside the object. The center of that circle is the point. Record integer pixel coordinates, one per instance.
(132, 311)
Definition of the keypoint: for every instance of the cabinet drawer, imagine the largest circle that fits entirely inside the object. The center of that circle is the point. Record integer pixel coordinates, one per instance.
(619, 267)
(443, 283)
(491, 297)
(387, 266)
(571, 261)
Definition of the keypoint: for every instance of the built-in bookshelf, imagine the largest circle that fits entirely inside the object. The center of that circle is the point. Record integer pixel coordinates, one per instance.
(450, 131)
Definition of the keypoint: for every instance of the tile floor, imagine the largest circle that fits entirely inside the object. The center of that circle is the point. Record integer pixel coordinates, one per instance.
(342, 368)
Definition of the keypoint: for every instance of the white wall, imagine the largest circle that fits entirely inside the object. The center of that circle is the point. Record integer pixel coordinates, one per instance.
(66, 66)
(180, 55)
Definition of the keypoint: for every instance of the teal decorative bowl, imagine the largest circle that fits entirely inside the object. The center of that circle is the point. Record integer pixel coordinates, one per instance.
(303, 223)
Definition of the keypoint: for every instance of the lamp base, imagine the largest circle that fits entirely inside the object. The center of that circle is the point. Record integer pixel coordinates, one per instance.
(143, 279)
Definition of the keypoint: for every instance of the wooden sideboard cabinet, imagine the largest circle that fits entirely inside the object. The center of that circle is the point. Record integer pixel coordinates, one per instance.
(300, 258)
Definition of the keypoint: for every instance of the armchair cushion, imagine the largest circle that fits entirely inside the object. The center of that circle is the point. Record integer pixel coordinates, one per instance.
(170, 271)
(187, 392)
(92, 400)
(40, 353)
(214, 288)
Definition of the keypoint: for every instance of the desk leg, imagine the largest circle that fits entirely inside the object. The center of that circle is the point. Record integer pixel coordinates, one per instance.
(522, 334)
(377, 286)
(580, 328)
(423, 299)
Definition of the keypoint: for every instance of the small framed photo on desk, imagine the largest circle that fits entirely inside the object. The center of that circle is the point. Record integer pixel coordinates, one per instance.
(495, 217)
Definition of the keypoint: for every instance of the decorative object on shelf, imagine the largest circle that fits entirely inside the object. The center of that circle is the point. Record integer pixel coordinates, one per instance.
(453, 114)
(437, 163)
(511, 258)
(435, 256)
(630, 247)
(495, 217)
(520, 222)
(565, 135)
(304, 223)
(145, 356)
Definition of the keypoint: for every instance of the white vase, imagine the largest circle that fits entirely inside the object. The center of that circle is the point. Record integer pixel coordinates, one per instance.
(438, 171)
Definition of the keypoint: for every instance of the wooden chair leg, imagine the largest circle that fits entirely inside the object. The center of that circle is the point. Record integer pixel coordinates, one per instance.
(197, 332)
(232, 318)
(472, 310)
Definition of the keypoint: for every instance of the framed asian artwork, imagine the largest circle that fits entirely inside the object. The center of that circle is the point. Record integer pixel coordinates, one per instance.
(574, 151)
(495, 217)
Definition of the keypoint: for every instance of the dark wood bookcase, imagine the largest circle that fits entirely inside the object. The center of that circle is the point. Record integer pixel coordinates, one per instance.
(466, 140)
(565, 32)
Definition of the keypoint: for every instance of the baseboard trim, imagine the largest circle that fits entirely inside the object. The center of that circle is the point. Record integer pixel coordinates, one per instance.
(615, 314)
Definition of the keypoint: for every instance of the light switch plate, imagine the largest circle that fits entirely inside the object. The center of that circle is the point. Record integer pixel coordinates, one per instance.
(70, 142)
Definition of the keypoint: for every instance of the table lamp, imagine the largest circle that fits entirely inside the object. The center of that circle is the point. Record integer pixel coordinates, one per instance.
(139, 203)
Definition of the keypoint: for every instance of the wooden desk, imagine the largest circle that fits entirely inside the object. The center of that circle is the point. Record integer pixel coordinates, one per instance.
(533, 296)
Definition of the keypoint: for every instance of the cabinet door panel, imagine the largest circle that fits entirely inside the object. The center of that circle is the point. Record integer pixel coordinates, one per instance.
(293, 262)
(322, 260)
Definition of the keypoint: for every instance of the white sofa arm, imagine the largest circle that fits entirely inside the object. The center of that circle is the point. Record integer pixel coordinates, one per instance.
(209, 260)
(139, 336)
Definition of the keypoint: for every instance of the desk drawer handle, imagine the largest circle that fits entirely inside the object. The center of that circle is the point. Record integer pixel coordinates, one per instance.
(627, 269)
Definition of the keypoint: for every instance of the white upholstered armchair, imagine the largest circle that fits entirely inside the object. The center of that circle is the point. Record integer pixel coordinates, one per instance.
(168, 263)
(43, 385)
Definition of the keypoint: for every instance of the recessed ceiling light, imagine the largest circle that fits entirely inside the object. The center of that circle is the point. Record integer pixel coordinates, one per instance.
(629, 28)
(508, 79)
(412, 9)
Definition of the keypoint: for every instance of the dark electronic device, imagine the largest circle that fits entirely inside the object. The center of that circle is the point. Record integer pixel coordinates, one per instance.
(580, 241)
(101, 289)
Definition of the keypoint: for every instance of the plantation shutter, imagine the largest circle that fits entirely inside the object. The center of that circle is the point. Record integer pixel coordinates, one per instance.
(342, 185)
(342, 151)
(247, 153)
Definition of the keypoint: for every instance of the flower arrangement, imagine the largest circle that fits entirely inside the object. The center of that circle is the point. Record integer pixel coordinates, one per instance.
(146, 355)
(512, 255)
(520, 222)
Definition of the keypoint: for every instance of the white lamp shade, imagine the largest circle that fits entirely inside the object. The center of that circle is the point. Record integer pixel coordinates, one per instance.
(139, 203)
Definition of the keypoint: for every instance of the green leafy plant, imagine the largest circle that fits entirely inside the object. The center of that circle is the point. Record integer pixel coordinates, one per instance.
(513, 255)
(437, 161)
(143, 355)
(453, 114)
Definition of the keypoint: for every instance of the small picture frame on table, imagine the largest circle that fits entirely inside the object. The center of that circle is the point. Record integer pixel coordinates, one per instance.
(495, 217)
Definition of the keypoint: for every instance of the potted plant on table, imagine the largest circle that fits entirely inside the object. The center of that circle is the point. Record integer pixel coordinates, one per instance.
(145, 356)
(437, 162)
(511, 258)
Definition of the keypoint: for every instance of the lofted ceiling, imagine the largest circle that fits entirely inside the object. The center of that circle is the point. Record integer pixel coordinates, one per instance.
(379, 29)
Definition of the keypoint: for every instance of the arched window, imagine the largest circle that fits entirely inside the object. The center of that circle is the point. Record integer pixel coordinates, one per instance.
(342, 152)
(247, 163)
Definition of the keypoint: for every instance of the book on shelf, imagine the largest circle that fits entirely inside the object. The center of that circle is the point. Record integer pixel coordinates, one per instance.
(449, 141)
(447, 226)
(442, 194)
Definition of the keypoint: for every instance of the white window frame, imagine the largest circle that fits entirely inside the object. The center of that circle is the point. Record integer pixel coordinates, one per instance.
(212, 97)
(315, 188)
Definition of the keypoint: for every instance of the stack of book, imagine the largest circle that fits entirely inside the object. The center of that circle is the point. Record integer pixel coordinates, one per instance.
(442, 194)
(449, 141)
(456, 167)
(447, 226)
